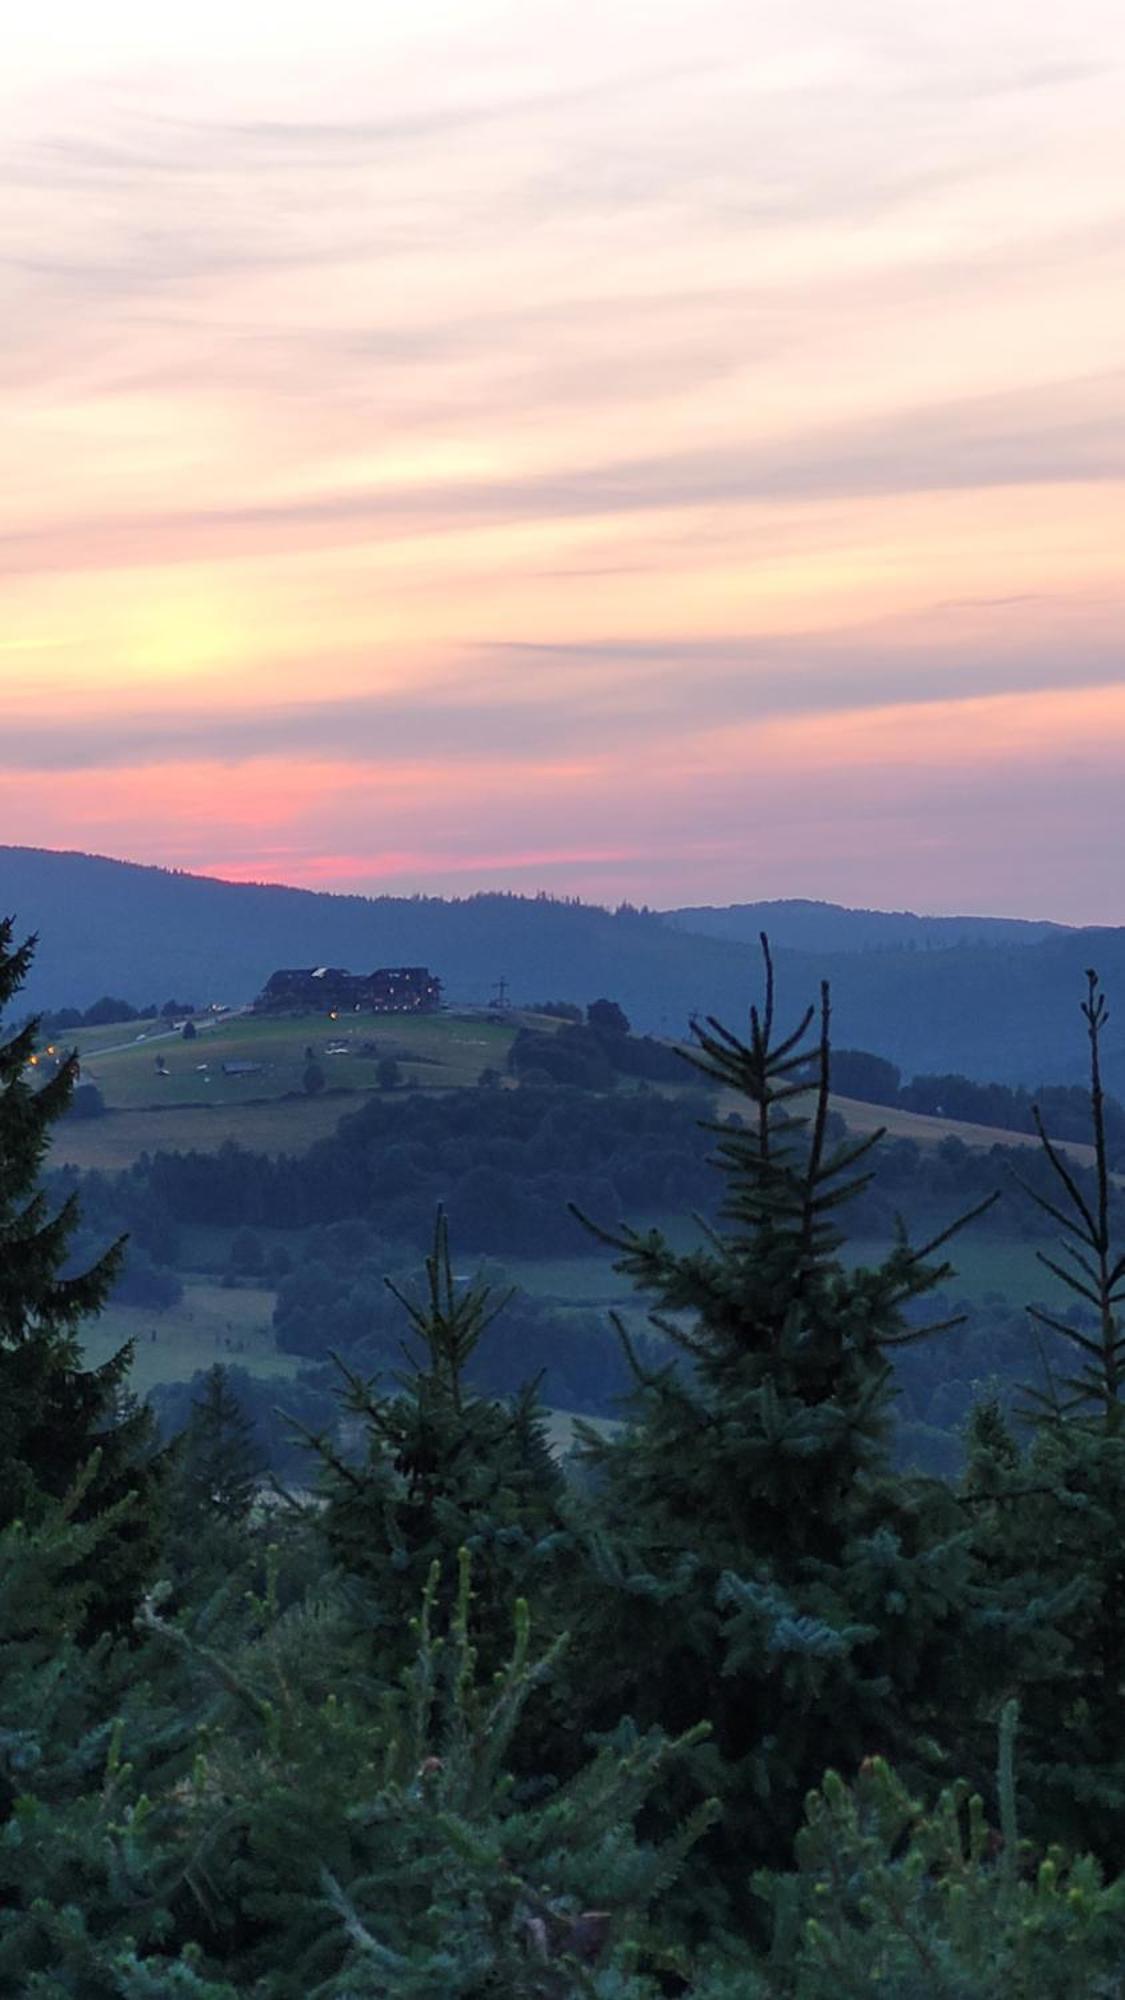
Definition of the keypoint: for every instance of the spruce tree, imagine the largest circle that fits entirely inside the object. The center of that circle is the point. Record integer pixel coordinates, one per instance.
(753, 1559)
(213, 1484)
(1049, 1518)
(55, 1414)
(344, 1837)
(83, 1869)
(442, 1467)
(895, 1899)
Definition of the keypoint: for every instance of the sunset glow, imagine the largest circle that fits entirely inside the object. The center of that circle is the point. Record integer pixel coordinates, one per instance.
(674, 453)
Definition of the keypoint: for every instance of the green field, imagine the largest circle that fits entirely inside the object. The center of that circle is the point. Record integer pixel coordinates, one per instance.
(861, 1119)
(982, 1264)
(214, 1322)
(437, 1050)
(121, 1137)
(165, 1094)
(572, 1281)
(591, 1280)
(197, 1105)
(211, 1323)
(234, 1326)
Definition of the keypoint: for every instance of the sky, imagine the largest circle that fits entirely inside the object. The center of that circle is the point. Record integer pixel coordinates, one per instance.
(671, 452)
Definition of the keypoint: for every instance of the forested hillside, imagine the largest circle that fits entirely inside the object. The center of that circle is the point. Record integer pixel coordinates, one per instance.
(985, 1009)
(797, 924)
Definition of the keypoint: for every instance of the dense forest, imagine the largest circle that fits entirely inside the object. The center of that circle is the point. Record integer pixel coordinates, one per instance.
(729, 1703)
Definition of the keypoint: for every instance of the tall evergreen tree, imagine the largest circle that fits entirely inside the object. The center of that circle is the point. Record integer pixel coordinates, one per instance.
(350, 1839)
(213, 1483)
(895, 1899)
(753, 1559)
(56, 1414)
(221, 1462)
(443, 1467)
(1050, 1518)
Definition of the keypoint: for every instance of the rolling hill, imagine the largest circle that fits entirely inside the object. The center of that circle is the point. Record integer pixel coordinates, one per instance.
(1001, 1005)
(241, 1079)
(800, 925)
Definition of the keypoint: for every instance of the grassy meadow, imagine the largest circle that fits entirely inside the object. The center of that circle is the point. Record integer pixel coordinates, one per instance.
(442, 1050)
(217, 1322)
(211, 1323)
(162, 1093)
(119, 1138)
(863, 1118)
(985, 1263)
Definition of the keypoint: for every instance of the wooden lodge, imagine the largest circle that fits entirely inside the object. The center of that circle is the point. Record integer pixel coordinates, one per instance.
(329, 989)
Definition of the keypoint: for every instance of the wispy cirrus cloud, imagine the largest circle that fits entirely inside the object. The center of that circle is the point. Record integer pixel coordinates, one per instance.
(1068, 433)
(496, 406)
(513, 703)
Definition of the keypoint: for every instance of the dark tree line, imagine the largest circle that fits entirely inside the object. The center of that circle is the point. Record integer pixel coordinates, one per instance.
(107, 1011)
(504, 1162)
(593, 1054)
(1064, 1107)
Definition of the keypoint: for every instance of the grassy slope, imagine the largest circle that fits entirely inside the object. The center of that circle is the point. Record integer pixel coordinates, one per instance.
(196, 1106)
(210, 1324)
(291, 1124)
(442, 1049)
(270, 1112)
(926, 1131)
(119, 1139)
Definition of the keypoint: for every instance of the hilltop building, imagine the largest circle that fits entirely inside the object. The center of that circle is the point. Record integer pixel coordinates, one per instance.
(329, 989)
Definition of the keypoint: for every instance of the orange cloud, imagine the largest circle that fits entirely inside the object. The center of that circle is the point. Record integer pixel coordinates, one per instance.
(560, 446)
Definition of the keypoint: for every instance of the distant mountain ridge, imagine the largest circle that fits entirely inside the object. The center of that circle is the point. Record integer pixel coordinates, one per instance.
(801, 925)
(1001, 1005)
(134, 931)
